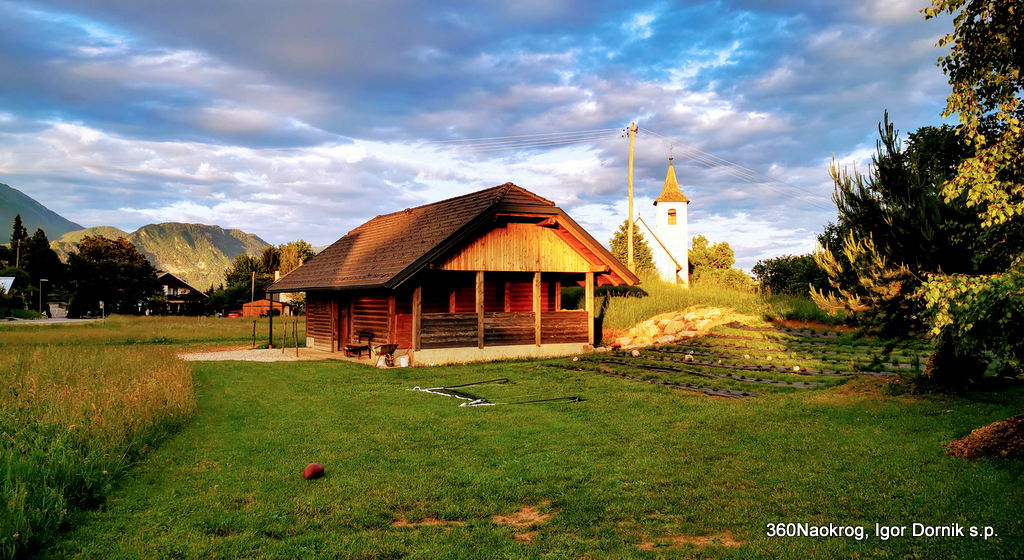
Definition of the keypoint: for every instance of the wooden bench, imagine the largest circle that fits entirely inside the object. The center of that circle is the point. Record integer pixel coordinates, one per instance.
(356, 350)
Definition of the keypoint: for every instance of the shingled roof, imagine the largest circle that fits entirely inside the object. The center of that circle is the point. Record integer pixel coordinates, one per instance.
(671, 192)
(388, 249)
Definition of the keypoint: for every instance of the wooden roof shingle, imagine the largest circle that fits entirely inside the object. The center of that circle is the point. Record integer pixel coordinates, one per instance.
(386, 250)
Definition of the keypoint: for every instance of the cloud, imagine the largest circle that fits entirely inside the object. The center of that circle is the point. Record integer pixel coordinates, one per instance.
(303, 119)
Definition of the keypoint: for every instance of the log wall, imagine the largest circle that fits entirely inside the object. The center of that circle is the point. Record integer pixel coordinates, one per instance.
(320, 319)
(370, 314)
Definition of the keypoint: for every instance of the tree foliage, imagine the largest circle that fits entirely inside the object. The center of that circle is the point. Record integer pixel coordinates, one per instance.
(112, 271)
(985, 65)
(789, 274)
(704, 255)
(894, 227)
(292, 255)
(642, 254)
(249, 276)
(712, 264)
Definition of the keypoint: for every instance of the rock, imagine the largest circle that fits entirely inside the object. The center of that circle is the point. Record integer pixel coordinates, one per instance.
(666, 339)
(635, 353)
(673, 327)
(624, 341)
(686, 334)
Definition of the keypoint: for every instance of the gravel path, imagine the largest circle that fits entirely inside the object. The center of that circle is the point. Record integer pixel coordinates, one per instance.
(256, 355)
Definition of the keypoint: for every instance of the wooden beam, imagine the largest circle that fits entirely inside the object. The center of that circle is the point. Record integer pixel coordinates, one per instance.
(417, 313)
(480, 309)
(451, 300)
(392, 321)
(508, 296)
(536, 307)
(589, 296)
(558, 295)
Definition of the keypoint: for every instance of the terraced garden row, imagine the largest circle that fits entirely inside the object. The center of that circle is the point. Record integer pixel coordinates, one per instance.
(740, 361)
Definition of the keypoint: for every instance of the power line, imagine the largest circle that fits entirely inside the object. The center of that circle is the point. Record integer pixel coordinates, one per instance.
(712, 161)
(524, 135)
(534, 144)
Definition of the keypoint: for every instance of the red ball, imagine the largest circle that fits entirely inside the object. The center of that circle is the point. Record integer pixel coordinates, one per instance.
(313, 470)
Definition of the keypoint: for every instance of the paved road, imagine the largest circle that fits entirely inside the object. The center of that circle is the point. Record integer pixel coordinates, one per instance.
(49, 321)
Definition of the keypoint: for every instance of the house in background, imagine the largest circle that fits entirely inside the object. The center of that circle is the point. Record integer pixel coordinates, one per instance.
(669, 238)
(475, 277)
(180, 297)
(262, 307)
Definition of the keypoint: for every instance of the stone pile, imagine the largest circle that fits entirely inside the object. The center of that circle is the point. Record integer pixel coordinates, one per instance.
(674, 325)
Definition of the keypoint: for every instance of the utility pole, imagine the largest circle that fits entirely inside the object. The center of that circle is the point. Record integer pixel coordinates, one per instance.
(252, 296)
(629, 228)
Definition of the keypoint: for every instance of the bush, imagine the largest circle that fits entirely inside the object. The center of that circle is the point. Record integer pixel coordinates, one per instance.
(730, 278)
(791, 275)
(797, 308)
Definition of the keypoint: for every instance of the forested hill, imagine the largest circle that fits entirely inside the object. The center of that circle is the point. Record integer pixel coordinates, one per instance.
(33, 215)
(197, 253)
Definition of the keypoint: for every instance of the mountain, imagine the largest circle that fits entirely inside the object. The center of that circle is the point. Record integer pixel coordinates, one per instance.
(66, 243)
(197, 253)
(33, 215)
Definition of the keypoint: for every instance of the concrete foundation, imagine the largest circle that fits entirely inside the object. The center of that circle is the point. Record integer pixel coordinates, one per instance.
(441, 356)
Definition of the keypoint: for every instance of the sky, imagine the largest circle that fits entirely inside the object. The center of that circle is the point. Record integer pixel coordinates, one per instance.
(303, 119)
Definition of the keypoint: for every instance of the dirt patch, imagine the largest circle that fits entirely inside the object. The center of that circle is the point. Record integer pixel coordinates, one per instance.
(1003, 438)
(526, 517)
(525, 537)
(864, 387)
(675, 541)
(425, 522)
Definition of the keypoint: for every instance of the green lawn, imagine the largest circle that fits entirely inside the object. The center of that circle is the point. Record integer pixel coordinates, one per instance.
(634, 463)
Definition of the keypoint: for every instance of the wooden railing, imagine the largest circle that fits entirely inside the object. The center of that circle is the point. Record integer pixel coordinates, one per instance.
(455, 330)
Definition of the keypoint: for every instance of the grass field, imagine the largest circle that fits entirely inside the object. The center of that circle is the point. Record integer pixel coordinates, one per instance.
(635, 471)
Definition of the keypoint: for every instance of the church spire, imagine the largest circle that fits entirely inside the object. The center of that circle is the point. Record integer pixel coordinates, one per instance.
(670, 192)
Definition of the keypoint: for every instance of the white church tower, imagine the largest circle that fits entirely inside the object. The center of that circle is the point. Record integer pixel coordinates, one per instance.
(669, 240)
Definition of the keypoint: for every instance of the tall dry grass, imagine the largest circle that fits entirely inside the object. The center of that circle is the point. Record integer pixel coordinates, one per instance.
(624, 312)
(72, 420)
(121, 329)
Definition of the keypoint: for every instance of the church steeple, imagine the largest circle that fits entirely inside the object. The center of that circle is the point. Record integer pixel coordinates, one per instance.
(671, 192)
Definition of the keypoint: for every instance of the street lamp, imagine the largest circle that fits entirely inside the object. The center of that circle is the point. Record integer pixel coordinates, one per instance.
(41, 280)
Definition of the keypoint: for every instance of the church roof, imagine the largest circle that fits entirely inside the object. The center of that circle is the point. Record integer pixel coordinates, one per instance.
(670, 192)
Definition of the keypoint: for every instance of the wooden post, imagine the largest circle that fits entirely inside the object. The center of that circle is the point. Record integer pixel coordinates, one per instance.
(417, 310)
(558, 296)
(480, 309)
(508, 296)
(631, 262)
(536, 307)
(589, 296)
(392, 320)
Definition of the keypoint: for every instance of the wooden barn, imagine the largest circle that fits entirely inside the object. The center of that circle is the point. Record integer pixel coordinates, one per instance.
(475, 277)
